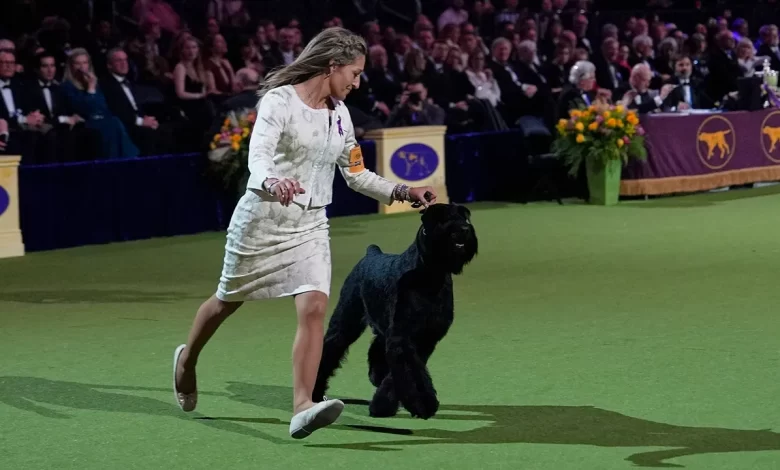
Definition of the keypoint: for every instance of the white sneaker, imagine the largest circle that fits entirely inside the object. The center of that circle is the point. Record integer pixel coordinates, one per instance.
(318, 416)
(186, 401)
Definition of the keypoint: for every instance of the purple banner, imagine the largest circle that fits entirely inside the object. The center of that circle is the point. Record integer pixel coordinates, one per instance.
(706, 145)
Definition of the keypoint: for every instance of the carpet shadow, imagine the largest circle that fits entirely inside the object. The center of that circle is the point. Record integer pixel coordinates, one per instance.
(509, 424)
(74, 296)
(33, 394)
(581, 425)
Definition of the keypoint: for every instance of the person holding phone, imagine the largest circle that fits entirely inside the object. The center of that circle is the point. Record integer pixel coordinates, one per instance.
(415, 109)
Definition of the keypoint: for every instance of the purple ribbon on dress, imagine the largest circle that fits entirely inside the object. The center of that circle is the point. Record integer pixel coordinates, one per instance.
(338, 123)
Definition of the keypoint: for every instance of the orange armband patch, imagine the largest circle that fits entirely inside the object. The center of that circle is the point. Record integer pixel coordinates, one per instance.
(356, 160)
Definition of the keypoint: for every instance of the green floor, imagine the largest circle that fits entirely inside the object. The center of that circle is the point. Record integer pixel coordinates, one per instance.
(585, 338)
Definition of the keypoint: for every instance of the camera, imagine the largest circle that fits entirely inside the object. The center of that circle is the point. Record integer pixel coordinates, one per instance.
(415, 98)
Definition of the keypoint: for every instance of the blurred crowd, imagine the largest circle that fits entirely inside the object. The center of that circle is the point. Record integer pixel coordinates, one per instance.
(88, 79)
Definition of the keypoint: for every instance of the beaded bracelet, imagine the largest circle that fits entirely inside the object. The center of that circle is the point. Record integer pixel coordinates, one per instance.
(401, 193)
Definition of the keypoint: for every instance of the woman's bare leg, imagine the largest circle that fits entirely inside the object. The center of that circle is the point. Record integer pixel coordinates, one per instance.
(307, 348)
(210, 316)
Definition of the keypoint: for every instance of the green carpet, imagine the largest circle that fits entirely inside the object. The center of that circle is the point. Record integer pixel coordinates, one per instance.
(585, 338)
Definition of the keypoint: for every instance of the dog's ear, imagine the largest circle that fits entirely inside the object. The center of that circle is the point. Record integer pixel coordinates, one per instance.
(465, 212)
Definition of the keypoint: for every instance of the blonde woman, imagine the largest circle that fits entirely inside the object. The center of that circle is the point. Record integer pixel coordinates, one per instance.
(278, 241)
(193, 84)
(80, 85)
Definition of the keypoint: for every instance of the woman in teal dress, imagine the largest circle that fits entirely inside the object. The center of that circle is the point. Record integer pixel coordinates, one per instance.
(81, 87)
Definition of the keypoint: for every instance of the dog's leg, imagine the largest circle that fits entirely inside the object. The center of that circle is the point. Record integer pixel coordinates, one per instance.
(413, 384)
(385, 402)
(345, 327)
(377, 361)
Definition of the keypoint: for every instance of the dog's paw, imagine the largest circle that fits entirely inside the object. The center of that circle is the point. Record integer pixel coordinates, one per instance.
(382, 407)
(422, 406)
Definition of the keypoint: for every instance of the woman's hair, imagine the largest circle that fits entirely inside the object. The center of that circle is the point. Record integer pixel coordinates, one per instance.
(68, 75)
(332, 46)
(197, 63)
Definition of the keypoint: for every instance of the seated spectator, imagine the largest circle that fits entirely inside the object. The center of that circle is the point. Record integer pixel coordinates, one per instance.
(723, 66)
(688, 92)
(151, 68)
(580, 91)
(68, 138)
(746, 58)
(514, 93)
(640, 96)
(386, 85)
(610, 74)
(249, 56)
(248, 81)
(481, 78)
(768, 45)
(218, 66)
(556, 71)
(122, 96)
(86, 97)
(193, 84)
(415, 108)
(25, 123)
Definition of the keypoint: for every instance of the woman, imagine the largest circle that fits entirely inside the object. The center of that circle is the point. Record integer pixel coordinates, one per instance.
(218, 66)
(482, 79)
(193, 84)
(81, 87)
(278, 242)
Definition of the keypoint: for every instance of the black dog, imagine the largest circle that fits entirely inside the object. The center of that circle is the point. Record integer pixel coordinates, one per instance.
(407, 301)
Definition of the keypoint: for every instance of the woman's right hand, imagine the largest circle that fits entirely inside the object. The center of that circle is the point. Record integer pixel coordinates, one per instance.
(285, 189)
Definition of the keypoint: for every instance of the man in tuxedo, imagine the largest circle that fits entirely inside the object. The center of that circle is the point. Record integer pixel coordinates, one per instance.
(723, 65)
(122, 100)
(23, 121)
(68, 139)
(769, 45)
(514, 93)
(688, 91)
(639, 96)
(610, 75)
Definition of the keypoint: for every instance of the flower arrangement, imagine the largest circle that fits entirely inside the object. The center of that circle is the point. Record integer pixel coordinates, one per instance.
(229, 149)
(599, 133)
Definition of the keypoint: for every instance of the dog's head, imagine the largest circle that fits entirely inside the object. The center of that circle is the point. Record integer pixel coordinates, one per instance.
(448, 237)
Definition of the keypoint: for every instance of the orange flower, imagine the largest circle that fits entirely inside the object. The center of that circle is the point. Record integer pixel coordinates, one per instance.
(593, 126)
(611, 122)
(580, 138)
(235, 146)
(579, 126)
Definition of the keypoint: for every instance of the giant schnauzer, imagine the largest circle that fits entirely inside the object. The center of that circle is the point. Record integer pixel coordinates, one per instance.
(407, 301)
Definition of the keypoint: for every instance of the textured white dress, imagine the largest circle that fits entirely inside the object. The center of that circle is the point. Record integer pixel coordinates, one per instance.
(276, 251)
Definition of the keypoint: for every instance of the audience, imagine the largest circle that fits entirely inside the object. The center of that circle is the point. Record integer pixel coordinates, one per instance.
(88, 85)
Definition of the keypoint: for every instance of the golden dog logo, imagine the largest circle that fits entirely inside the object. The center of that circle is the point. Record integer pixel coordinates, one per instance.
(770, 136)
(716, 142)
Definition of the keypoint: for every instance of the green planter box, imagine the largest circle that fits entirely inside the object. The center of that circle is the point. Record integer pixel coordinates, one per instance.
(603, 182)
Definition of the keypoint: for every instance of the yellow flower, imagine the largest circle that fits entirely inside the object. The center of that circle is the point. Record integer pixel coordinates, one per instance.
(213, 146)
(605, 115)
(620, 143)
(235, 146)
(580, 138)
(611, 122)
(217, 137)
(619, 123)
(619, 108)
(245, 132)
(593, 126)
(579, 126)
(591, 108)
(575, 113)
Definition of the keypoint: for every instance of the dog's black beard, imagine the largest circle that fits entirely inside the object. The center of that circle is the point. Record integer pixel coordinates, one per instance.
(439, 252)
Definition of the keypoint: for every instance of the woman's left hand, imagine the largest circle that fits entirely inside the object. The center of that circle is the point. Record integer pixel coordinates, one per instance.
(417, 195)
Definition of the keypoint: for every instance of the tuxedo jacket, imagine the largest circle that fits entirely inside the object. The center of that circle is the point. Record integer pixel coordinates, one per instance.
(60, 105)
(699, 97)
(20, 102)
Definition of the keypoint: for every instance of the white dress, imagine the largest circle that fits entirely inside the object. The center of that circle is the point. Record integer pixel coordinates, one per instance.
(277, 251)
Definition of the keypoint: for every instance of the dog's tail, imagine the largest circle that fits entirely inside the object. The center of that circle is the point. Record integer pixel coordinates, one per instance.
(373, 250)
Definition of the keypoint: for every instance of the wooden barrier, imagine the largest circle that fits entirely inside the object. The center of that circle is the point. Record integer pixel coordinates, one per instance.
(10, 235)
(413, 156)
